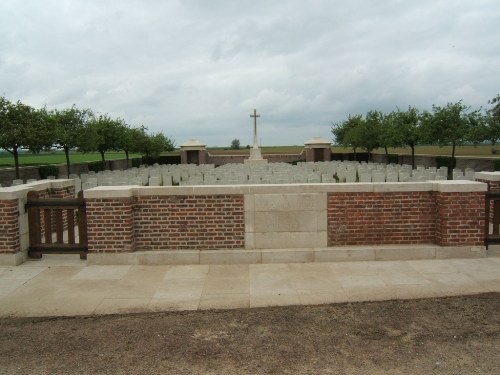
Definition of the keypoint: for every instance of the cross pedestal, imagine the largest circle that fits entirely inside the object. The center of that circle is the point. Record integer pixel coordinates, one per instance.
(255, 154)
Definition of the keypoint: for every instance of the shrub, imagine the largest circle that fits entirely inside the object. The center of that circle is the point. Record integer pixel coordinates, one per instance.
(393, 158)
(96, 166)
(445, 161)
(136, 162)
(48, 170)
(497, 165)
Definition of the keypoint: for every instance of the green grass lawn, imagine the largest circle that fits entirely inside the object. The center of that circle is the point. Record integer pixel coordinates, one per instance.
(26, 158)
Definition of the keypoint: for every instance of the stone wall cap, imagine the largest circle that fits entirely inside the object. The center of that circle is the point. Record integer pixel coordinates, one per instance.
(21, 191)
(193, 143)
(488, 176)
(318, 141)
(104, 192)
(13, 192)
(459, 186)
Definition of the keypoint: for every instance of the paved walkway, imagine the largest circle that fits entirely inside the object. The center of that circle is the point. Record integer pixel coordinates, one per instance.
(63, 285)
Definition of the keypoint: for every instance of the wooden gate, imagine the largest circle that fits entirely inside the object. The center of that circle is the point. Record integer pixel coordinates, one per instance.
(492, 219)
(56, 226)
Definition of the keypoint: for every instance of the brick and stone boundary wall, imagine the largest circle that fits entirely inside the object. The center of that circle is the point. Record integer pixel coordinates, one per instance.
(189, 222)
(253, 219)
(444, 213)
(110, 226)
(125, 219)
(381, 218)
(460, 219)
(14, 231)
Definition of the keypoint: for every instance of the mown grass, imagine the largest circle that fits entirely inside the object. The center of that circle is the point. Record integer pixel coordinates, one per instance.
(57, 157)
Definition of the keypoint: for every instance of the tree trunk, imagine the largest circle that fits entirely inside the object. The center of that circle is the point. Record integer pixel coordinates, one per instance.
(452, 161)
(354, 149)
(16, 160)
(126, 156)
(102, 156)
(412, 156)
(66, 153)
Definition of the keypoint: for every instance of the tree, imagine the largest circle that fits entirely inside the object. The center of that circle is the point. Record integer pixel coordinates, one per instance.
(67, 128)
(101, 134)
(346, 133)
(449, 125)
(153, 145)
(495, 110)
(128, 138)
(235, 144)
(21, 126)
(492, 121)
(407, 129)
(479, 130)
(370, 131)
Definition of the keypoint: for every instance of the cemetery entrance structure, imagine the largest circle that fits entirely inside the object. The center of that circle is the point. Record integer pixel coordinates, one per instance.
(193, 152)
(318, 149)
(56, 225)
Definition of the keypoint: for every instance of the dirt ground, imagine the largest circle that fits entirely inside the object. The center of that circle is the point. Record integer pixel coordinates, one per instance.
(458, 335)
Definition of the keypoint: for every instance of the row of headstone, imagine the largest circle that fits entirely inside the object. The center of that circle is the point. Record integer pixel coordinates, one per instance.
(272, 173)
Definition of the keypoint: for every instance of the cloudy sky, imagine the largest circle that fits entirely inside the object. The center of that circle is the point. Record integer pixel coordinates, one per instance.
(197, 68)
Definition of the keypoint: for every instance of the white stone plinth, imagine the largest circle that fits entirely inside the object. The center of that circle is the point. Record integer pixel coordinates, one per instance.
(255, 157)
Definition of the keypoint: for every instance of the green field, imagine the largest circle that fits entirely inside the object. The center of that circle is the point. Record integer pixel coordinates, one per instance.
(27, 158)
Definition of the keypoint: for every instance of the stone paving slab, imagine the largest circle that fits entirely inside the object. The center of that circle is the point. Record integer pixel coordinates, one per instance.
(64, 286)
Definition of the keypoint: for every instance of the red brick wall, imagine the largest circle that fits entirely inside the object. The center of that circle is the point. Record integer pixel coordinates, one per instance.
(9, 226)
(381, 218)
(110, 226)
(460, 219)
(189, 222)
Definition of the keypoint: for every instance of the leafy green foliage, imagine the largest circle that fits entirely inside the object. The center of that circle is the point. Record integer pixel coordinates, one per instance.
(497, 165)
(393, 159)
(97, 166)
(48, 170)
(153, 145)
(451, 125)
(22, 127)
(67, 128)
(235, 144)
(101, 134)
(446, 161)
(136, 162)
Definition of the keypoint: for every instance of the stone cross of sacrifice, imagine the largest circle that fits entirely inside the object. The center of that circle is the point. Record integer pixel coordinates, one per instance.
(255, 115)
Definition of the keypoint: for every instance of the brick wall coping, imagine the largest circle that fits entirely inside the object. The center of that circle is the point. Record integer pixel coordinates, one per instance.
(488, 176)
(458, 186)
(104, 192)
(111, 192)
(20, 191)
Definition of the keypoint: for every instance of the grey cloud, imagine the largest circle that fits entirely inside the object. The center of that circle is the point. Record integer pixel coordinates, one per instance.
(195, 69)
